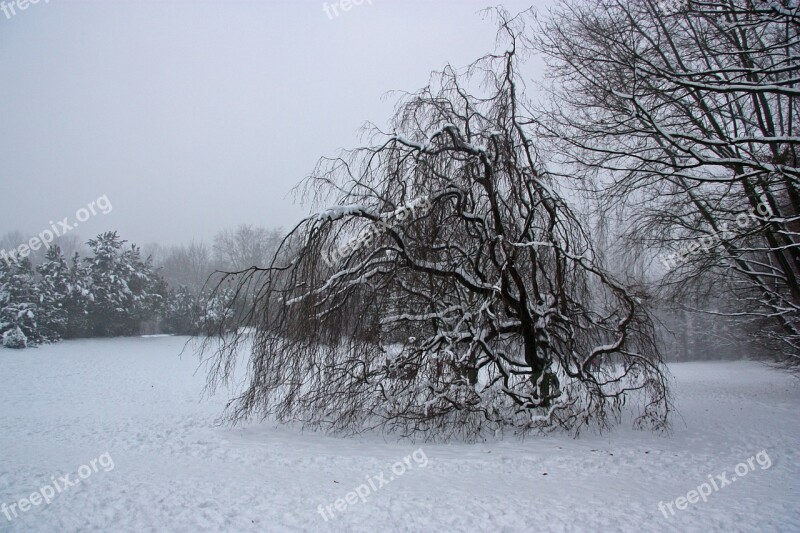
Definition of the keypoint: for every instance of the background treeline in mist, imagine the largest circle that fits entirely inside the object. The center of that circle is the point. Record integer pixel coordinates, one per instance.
(109, 288)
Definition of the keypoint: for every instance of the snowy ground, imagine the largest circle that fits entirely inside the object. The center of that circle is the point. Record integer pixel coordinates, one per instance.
(134, 405)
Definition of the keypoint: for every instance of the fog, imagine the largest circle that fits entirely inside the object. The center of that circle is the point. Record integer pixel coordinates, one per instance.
(196, 116)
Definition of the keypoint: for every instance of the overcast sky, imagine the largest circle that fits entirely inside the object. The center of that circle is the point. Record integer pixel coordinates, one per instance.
(193, 116)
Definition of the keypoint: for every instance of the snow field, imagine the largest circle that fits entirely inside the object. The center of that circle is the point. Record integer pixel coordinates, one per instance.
(175, 468)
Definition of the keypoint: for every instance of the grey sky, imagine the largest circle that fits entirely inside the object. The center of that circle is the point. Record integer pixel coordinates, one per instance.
(193, 116)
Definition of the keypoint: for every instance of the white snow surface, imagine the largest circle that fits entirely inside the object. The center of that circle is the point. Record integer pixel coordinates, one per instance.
(176, 469)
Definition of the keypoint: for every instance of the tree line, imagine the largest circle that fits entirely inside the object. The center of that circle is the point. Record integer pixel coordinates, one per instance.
(111, 288)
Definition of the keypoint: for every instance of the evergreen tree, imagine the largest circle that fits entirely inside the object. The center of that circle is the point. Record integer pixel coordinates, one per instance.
(79, 297)
(218, 311)
(149, 291)
(6, 325)
(54, 289)
(19, 299)
(125, 289)
(181, 312)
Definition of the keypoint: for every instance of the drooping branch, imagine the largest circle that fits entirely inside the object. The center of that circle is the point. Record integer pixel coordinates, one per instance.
(450, 291)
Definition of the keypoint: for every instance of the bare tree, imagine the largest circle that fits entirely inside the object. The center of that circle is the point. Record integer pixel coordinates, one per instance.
(684, 120)
(188, 266)
(245, 246)
(10, 242)
(468, 296)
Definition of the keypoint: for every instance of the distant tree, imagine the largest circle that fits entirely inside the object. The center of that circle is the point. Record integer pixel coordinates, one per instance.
(19, 302)
(111, 299)
(10, 242)
(223, 310)
(54, 292)
(187, 266)
(79, 297)
(69, 244)
(124, 289)
(181, 312)
(148, 287)
(244, 247)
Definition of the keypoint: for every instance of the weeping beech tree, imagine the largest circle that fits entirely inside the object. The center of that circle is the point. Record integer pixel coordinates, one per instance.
(450, 291)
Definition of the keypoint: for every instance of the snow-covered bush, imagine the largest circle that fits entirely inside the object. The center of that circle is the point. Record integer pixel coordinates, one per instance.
(14, 338)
